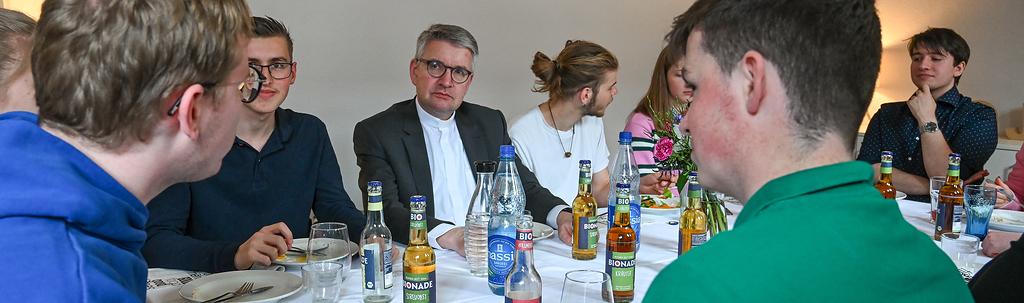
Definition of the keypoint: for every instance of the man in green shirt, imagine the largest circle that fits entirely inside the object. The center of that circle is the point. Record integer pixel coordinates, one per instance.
(780, 87)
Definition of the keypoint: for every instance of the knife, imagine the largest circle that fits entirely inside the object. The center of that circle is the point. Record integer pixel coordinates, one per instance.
(251, 292)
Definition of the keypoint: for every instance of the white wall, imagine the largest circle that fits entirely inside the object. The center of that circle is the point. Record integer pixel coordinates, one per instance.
(354, 55)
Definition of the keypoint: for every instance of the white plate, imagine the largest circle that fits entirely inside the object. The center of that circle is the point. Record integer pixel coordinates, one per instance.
(1007, 220)
(900, 195)
(660, 211)
(209, 287)
(297, 259)
(542, 231)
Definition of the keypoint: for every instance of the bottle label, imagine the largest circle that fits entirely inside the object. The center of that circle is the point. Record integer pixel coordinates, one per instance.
(698, 239)
(417, 221)
(524, 239)
(374, 206)
(370, 266)
(587, 234)
(388, 280)
(623, 266)
(500, 256)
(954, 171)
(622, 205)
(886, 168)
(420, 288)
(956, 222)
(534, 300)
(585, 177)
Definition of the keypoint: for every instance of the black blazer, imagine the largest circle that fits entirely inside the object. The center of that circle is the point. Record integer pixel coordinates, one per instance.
(389, 148)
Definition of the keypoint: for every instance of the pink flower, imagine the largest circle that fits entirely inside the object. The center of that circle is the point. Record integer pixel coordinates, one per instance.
(663, 149)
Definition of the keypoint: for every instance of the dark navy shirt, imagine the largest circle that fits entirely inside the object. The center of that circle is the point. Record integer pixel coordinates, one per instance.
(200, 225)
(969, 129)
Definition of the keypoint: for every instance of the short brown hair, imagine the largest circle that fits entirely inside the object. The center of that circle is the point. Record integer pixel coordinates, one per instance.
(16, 30)
(580, 64)
(658, 98)
(827, 52)
(102, 68)
(939, 39)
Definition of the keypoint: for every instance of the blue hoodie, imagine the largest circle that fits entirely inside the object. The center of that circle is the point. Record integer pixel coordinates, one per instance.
(70, 232)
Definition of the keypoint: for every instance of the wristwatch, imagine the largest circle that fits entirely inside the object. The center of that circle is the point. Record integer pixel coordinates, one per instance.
(929, 127)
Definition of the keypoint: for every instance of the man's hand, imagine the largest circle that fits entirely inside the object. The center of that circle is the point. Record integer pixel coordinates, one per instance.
(922, 105)
(996, 242)
(264, 246)
(454, 240)
(564, 222)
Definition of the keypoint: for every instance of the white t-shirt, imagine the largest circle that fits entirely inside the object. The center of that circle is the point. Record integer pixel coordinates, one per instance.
(537, 146)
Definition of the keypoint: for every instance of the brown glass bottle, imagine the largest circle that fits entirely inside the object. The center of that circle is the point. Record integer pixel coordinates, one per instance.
(620, 262)
(951, 200)
(884, 184)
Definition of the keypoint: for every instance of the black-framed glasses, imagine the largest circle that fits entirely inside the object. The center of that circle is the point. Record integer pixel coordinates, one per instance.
(279, 70)
(437, 69)
(249, 89)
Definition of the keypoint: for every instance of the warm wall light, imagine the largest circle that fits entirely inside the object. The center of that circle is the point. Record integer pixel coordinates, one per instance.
(876, 103)
(29, 7)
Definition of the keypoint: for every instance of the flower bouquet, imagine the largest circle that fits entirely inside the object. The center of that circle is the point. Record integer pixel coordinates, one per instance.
(672, 152)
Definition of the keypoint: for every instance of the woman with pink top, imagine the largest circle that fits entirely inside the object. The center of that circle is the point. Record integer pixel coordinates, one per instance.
(1006, 198)
(667, 90)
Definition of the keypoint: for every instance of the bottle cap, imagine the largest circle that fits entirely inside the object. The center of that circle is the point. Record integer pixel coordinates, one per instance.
(584, 161)
(418, 198)
(625, 137)
(507, 152)
(622, 185)
(485, 166)
(374, 184)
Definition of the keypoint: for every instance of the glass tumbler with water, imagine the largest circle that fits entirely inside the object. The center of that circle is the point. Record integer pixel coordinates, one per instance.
(328, 241)
(980, 200)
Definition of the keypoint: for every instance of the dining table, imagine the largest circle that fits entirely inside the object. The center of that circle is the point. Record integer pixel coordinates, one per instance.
(552, 260)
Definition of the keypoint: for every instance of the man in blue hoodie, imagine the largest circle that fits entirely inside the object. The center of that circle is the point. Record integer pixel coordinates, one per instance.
(133, 96)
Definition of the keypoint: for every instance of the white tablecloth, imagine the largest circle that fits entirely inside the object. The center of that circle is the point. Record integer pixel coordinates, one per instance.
(552, 259)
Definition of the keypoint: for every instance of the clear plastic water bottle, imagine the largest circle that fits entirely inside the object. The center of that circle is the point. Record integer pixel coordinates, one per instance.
(626, 171)
(507, 201)
(477, 218)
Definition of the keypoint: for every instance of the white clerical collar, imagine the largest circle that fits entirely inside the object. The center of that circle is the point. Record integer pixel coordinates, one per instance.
(426, 119)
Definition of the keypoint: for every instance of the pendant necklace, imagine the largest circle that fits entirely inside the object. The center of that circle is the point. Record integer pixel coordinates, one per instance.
(567, 153)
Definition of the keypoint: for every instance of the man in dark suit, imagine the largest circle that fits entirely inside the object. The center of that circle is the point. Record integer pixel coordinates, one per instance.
(426, 145)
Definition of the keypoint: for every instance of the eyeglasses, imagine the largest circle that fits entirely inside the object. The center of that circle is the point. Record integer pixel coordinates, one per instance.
(437, 69)
(248, 88)
(279, 71)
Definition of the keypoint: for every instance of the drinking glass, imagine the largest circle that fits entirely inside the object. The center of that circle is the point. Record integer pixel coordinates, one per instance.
(328, 241)
(586, 286)
(962, 248)
(979, 202)
(934, 185)
(323, 280)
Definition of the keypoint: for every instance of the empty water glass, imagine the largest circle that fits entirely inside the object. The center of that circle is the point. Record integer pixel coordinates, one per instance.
(585, 286)
(961, 248)
(328, 241)
(323, 280)
(979, 202)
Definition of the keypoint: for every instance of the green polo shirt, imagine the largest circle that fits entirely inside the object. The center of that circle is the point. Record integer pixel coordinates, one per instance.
(817, 235)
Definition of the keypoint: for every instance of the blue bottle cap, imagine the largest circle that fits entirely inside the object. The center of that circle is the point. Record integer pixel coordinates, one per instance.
(584, 161)
(954, 155)
(889, 153)
(374, 184)
(625, 137)
(507, 152)
(693, 173)
(622, 185)
(418, 198)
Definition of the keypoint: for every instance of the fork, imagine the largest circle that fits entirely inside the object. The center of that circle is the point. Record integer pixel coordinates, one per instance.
(246, 287)
(316, 252)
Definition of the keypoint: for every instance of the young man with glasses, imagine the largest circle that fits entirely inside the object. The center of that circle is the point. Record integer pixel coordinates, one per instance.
(426, 145)
(73, 187)
(280, 166)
